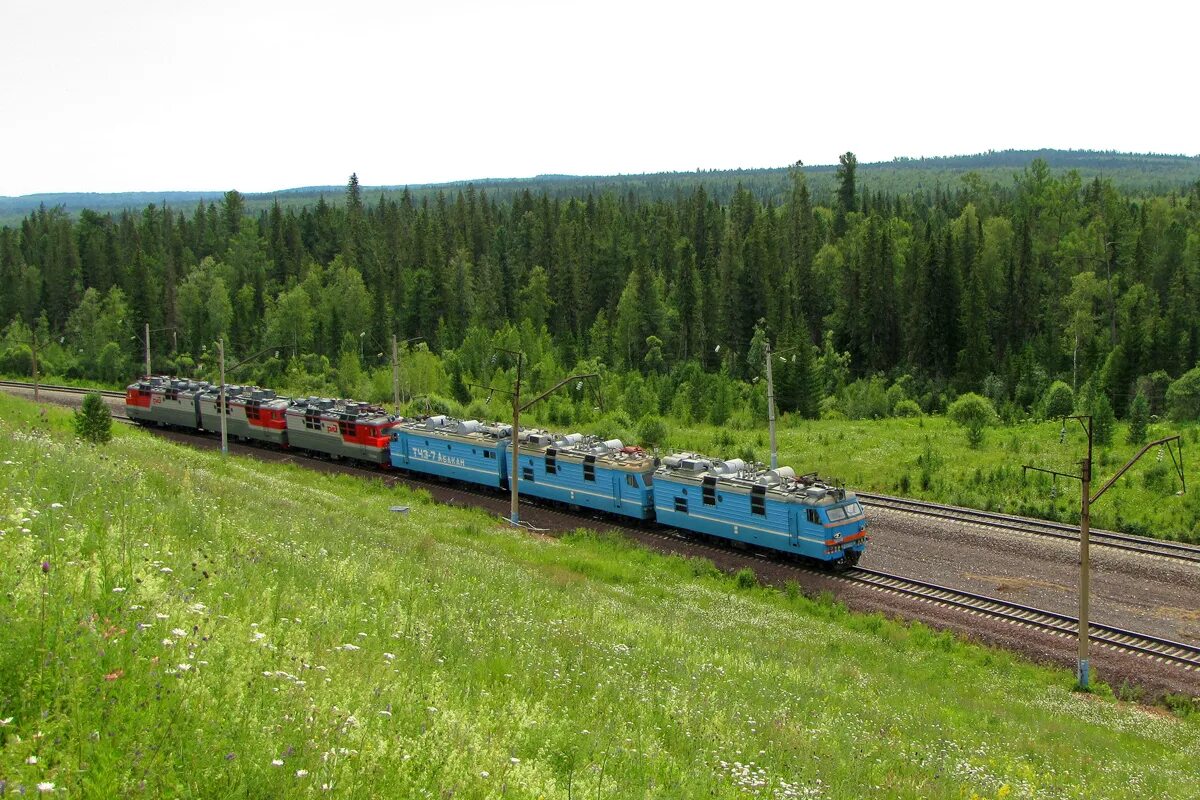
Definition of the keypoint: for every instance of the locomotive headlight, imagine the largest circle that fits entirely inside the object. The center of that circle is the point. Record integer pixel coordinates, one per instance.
(837, 535)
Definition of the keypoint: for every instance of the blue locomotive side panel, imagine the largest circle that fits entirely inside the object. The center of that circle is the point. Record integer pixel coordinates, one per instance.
(602, 488)
(770, 509)
(462, 450)
(587, 472)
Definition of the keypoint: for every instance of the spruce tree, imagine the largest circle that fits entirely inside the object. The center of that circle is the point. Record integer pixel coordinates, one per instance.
(1139, 418)
(93, 422)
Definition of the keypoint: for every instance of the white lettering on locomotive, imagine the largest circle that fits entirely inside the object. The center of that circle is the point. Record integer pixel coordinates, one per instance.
(422, 454)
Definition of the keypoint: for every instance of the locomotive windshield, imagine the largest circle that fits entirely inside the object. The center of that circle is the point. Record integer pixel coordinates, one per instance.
(839, 513)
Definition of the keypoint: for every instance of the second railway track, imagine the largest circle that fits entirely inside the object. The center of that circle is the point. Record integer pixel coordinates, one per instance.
(1036, 527)
(1179, 654)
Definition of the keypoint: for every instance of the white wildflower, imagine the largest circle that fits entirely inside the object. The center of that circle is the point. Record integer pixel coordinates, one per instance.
(167, 642)
(46, 786)
(183, 667)
(166, 570)
(161, 616)
(56, 505)
(180, 632)
(6, 721)
(389, 656)
(118, 589)
(276, 762)
(31, 760)
(483, 774)
(515, 760)
(301, 773)
(258, 636)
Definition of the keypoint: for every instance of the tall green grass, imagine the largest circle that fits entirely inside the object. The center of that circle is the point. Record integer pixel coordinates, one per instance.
(208, 627)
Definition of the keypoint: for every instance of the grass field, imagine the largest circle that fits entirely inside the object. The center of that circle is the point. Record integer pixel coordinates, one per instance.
(175, 624)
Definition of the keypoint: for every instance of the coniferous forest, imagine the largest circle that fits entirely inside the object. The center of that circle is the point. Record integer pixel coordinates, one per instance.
(880, 303)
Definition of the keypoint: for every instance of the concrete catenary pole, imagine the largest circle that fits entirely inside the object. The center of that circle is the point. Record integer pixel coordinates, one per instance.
(221, 399)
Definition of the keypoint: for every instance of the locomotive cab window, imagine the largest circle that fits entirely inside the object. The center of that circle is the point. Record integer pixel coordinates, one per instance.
(814, 517)
(589, 468)
(836, 514)
(631, 480)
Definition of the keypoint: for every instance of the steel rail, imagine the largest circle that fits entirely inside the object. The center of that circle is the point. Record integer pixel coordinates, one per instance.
(1143, 644)
(48, 387)
(1057, 530)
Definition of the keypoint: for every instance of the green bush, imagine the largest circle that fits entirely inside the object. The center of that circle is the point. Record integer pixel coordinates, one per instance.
(745, 578)
(1059, 400)
(1183, 397)
(652, 430)
(973, 412)
(906, 408)
(93, 422)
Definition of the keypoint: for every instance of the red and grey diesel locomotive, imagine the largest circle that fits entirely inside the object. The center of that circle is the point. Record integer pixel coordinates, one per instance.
(769, 508)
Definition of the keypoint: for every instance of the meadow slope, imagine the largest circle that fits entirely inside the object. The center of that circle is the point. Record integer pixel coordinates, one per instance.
(176, 624)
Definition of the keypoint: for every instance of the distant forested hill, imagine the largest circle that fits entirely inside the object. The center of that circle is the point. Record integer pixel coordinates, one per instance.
(1132, 172)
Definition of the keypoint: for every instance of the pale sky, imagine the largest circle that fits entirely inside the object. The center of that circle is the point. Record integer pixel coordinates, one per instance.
(257, 96)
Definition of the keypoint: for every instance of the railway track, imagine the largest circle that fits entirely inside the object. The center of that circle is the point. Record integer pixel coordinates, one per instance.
(49, 387)
(1036, 527)
(1186, 656)
(1178, 654)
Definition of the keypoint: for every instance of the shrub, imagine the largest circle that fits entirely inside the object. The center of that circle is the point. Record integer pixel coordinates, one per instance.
(974, 412)
(1183, 396)
(93, 422)
(478, 410)
(742, 420)
(866, 398)
(1059, 400)
(431, 404)
(745, 578)
(906, 408)
(652, 430)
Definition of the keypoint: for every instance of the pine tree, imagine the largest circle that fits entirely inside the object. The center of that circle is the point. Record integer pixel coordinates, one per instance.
(93, 422)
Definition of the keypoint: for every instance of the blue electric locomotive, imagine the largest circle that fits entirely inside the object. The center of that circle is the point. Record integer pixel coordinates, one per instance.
(587, 472)
(465, 450)
(768, 508)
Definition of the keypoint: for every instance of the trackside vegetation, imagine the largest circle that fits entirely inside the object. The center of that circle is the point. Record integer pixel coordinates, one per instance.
(177, 624)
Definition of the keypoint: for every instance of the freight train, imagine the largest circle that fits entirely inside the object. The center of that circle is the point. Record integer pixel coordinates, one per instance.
(769, 508)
